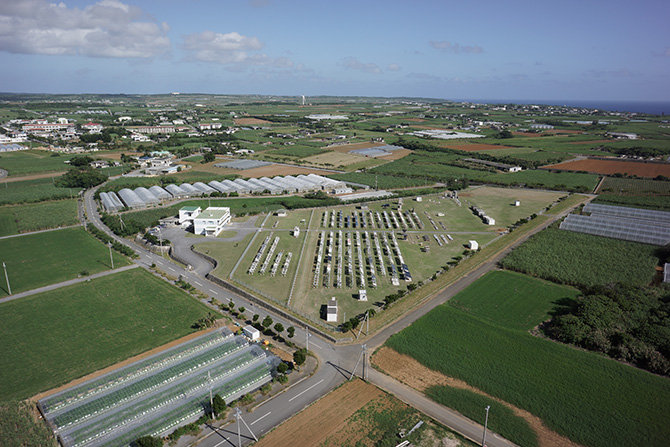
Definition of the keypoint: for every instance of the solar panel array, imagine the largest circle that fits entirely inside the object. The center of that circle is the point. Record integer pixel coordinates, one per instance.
(630, 224)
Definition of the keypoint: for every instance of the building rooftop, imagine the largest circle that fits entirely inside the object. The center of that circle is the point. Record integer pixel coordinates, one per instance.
(189, 208)
(214, 213)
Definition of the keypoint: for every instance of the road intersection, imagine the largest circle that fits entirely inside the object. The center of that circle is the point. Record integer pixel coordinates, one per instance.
(336, 361)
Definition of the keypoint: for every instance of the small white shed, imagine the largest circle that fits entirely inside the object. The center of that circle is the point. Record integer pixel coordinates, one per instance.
(251, 332)
(517, 203)
(473, 245)
(362, 295)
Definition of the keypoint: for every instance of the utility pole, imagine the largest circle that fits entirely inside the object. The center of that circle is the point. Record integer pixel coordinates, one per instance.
(9, 289)
(363, 354)
(486, 423)
(111, 258)
(238, 415)
(306, 335)
(211, 399)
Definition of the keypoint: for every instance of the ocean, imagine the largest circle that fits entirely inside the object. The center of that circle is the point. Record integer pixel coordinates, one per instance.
(650, 107)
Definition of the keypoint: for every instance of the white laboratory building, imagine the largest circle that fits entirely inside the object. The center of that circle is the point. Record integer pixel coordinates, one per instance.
(211, 221)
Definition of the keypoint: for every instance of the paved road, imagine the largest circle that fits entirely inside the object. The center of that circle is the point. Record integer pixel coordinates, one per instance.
(336, 361)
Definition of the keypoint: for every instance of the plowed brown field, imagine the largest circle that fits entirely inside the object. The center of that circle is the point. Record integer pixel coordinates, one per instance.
(315, 423)
(609, 167)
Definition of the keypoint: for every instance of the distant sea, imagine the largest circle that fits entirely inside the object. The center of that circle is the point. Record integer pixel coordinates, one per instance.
(651, 107)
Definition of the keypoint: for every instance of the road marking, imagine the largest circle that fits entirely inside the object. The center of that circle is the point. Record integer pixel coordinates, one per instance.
(304, 391)
(260, 418)
(197, 283)
(224, 440)
(212, 291)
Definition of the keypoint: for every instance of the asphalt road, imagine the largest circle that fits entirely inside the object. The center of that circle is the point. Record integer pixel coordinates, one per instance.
(336, 361)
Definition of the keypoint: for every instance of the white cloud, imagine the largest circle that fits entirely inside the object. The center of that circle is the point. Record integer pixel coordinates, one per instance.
(231, 49)
(108, 28)
(449, 47)
(353, 63)
(393, 67)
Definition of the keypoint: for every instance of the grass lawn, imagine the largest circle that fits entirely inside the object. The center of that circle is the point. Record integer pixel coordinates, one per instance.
(32, 161)
(40, 259)
(519, 302)
(499, 202)
(54, 337)
(591, 399)
(583, 259)
(37, 216)
(225, 253)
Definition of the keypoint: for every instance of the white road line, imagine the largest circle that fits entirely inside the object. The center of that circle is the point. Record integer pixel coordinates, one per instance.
(304, 391)
(197, 283)
(225, 440)
(212, 291)
(260, 418)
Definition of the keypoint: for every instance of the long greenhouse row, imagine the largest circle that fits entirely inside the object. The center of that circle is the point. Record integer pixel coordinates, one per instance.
(631, 224)
(142, 197)
(157, 394)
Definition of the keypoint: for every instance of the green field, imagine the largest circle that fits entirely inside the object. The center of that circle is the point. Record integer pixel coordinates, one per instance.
(589, 398)
(643, 193)
(41, 259)
(297, 151)
(439, 166)
(54, 337)
(470, 404)
(583, 259)
(33, 191)
(31, 217)
(32, 161)
(381, 181)
(520, 302)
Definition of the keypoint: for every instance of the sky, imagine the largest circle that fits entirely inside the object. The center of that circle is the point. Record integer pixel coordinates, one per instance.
(561, 50)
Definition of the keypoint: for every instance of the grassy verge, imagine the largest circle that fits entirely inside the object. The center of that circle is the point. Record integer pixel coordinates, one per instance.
(18, 427)
(54, 337)
(502, 419)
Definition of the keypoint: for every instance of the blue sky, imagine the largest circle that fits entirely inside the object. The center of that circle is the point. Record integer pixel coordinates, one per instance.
(561, 50)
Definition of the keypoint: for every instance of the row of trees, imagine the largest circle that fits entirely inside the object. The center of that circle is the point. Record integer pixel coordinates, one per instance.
(627, 323)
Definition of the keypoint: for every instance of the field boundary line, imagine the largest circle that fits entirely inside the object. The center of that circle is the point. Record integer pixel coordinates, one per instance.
(39, 231)
(302, 250)
(69, 282)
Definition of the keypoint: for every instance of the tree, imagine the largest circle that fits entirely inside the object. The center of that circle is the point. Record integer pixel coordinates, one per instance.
(282, 368)
(208, 157)
(255, 318)
(291, 331)
(299, 356)
(267, 322)
(231, 305)
(148, 441)
(219, 405)
(241, 309)
(279, 328)
(505, 134)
